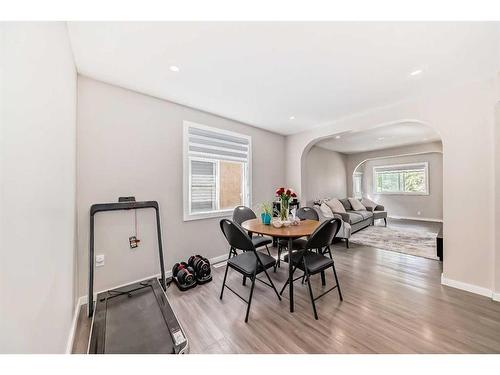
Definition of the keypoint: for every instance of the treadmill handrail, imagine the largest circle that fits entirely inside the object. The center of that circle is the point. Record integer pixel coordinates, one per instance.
(105, 207)
(101, 207)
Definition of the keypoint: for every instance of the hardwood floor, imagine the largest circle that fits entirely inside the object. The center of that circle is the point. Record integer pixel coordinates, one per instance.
(393, 303)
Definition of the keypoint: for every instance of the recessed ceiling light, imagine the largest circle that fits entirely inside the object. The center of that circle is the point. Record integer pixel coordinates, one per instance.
(337, 137)
(380, 138)
(416, 72)
(174, 68)
(292, 117)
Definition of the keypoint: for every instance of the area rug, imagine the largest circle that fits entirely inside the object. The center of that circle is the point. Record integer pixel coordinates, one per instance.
(418, 242)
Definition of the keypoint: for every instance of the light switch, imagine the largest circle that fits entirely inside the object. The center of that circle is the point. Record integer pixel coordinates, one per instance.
(99, 260)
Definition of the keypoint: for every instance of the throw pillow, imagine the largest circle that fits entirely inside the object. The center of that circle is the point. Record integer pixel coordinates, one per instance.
(326, 211)
(345, 202)
(335, 205)
(356, 205)
(368, 203)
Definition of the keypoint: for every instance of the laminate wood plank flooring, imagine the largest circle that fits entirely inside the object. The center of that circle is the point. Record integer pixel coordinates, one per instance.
(393, 303)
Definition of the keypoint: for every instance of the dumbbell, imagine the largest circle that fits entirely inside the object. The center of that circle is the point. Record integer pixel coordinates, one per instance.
(184, 273)
(201, 266)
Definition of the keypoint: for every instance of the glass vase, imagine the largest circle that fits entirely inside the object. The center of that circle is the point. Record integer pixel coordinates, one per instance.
(284, 209)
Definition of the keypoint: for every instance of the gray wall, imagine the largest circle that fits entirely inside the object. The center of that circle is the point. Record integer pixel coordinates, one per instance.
(131, 144)
(38, 182)
(326, 175)
(353, 160)
(414, 206)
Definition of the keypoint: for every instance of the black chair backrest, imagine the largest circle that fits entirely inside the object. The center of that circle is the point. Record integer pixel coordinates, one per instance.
(324, 234)
(242, 213)
(236, 235)
(307, 213)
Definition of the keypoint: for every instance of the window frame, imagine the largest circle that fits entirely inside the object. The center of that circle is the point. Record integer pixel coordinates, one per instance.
(357, 176)
(186, 171)
(401, 167)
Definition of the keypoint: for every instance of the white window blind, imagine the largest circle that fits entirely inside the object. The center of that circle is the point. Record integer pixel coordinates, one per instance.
(216, 171)
(203, 185)
(216, 145)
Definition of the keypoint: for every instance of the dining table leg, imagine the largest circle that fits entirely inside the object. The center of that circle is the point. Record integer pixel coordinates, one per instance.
(290, 275)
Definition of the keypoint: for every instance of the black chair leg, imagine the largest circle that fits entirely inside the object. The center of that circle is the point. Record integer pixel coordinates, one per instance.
(272, 284)
(323, 278)
(329, 252)
(347, 243)
(268, 252)
(287, 281)
(244, 280)
(337, 281)
(224, 282)
(250, 298)
(311, 293)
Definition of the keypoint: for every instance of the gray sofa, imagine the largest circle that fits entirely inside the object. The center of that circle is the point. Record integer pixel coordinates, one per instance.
(360, 219)
(344, 232)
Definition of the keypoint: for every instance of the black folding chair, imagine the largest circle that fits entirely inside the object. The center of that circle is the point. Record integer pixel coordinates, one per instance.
(311, 262)
(250, 263)
(303, 213)
(241, 214)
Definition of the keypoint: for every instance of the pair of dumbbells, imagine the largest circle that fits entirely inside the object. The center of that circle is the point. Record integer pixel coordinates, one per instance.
(183, 276)
(195, 271)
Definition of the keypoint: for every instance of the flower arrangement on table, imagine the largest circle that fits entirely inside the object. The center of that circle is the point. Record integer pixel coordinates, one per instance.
(284, 196)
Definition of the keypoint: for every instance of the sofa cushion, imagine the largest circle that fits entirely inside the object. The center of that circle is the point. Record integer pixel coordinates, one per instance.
(335, 205)
(363, 214)
(346, 204)
(325, 210)
(368, 203)
(354, 217)
(356, 204)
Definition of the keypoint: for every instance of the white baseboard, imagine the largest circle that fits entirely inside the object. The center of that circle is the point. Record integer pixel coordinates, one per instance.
(417, 218)
(71, 336)
(495, 297)
(219, 259)
(468, 287)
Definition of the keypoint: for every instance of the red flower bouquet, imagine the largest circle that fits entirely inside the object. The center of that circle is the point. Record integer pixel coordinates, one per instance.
(284, 196)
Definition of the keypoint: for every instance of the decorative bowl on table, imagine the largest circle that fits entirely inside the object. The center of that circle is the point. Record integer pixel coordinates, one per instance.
(287, 223)
(277, 223)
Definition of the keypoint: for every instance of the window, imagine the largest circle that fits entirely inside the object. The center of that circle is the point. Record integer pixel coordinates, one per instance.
(216, 171)
(401, 179)
(357, 180)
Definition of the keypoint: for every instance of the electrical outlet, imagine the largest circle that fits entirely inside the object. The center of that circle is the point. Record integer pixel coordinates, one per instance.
(418, 213)
(99, 260)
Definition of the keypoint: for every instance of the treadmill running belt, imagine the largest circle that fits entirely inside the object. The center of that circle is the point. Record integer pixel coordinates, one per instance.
(145, 330)
(136, 319)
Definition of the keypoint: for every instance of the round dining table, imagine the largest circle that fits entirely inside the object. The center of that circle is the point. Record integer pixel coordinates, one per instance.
(304, 228)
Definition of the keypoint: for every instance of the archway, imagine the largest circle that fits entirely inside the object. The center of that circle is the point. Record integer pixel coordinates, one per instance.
(404, 158)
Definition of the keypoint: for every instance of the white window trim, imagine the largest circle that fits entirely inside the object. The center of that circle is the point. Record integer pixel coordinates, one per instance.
(402, 166)
(357, 194)
(186, 175)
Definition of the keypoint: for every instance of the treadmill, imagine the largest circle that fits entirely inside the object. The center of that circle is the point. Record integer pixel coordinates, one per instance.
(136, 318)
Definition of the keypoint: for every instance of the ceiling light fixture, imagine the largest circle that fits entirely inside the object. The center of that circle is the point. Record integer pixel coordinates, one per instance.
(416, 72)
(292, 117)
(380, 138)
(174, 68)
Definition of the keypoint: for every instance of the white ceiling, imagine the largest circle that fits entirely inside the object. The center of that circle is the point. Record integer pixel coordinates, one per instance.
(401, 134)
(263, 73)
